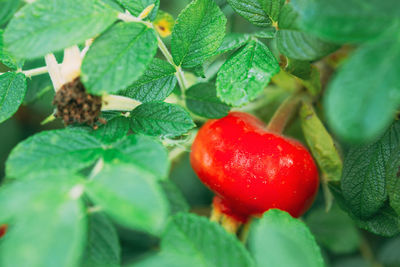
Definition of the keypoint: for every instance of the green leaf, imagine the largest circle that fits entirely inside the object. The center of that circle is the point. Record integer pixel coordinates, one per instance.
(8, 8)
(232, 41)
(267, 33)
(157, 82)
(160, 118)
(198, 33)
(362, 98)
(135, 7)
(345, 20)
(296, 44)
(202, 100)
(393, 180)
(117, 127)
(118, 57)
(389, 253)
(334, 229)
(252, 10)
(272, 7)
(102, 248)
(47, 223)
(245, 74)
(12, 93)
(74, 149)
(5, 57)
(49, 25)
(363, 180)
(320, 143)
(191, 240)
(277, 239)
(177, 202)
(131, 196)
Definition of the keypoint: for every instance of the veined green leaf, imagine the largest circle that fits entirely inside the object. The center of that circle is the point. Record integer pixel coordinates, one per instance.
(232, 41)
(118, 57)
(393, 180)
(245, 74)
(12, 93)
(198, 33)
(49, 25)
(252, 10)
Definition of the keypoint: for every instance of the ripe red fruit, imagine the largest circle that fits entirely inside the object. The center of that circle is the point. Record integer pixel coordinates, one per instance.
(252, 170)
(3, 230)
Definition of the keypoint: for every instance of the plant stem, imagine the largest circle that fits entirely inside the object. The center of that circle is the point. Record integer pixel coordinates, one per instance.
(283, 114)
(54, 71)
(116, 102)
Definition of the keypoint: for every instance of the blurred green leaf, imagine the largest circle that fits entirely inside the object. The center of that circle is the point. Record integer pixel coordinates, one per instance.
(245, 74)
(362, 98)
(118, 57)
(363, 181)
(160, 118)
(334, 230)
(191, 240)
(296, 44)
(131, 196)
(157, 82)
(177, 202)
(116, 127)
(320, 143)
(267, 33)
(389, 252)
(8, 8)
(393, 180)
(47, 223)
(252, 10)
(277, 239)
(232, 41)
(198, 33)
(202, 100)
(49, 25)
(135, 7)
(344, 20)
(12, 93)
(272, 7)
(102, 248)
(5, 56)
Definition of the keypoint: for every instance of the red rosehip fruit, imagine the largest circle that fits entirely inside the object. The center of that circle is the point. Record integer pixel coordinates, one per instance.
(3, 229)
(252, 170)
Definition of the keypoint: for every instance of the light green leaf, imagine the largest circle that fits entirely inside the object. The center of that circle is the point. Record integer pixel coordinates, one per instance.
(320, 143)
(272, 7)
(245, 74)
(334, 230)
(202, 100)
(277, 239)
(135, 7)
(198, 33)
(232, 41)
(363, 180)
(8, 8)
(362, 98)
(393, 180)
(131, 196)
(252, 10)
(5, 57)
(47, 223)
(191, 240)
(159, 118)
(49, 25)
(118, 57)
(296, 44)
(345, 20)
(157, 82)
(12, 93)
(267, 33)
(102, 249)
(177, 202)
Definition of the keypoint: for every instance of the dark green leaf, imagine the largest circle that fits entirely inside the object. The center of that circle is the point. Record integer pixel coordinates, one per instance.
(47, 223)
(277, 239)
(8, 8)
(299, 68)
(102, 248)
(320, 143)
(159, 118)
(50, 25)
(393, 180)
(135, 7)
(198, 33)
(334, 230)
(232, 41)
(345, 20)
(131, 196)
(252, 10)
(12, 93)
(177, 202)
(267, 33)
(118, 57)
(191, 240)
(202, 100)
(363, 180)
(245, 74)
(296, 44)
(157, 82)
(362, 98)
(116, 128)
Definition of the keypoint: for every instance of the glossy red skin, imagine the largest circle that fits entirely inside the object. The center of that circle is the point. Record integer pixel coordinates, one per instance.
(252, 170)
